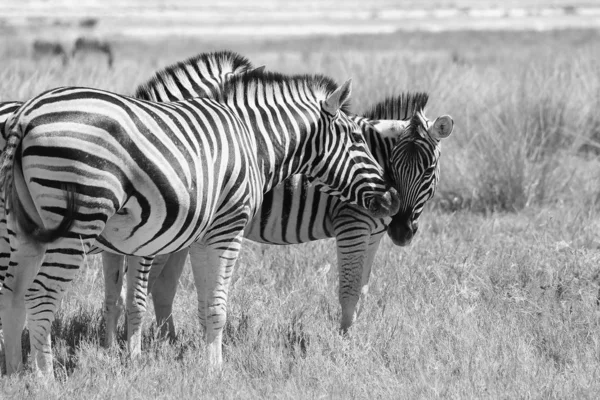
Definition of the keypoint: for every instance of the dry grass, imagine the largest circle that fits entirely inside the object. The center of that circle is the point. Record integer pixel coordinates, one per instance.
(485, 303)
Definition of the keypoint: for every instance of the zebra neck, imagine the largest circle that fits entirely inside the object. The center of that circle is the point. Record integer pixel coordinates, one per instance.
(282, 139)
(380, 136)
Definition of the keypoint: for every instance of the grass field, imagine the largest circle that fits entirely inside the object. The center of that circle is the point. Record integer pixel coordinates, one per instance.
(497, 297)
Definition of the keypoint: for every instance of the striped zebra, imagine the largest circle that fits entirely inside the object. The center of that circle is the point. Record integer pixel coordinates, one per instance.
(144, 178)
(357, 235)
(404, 142)
(286, 219)
(198, 76)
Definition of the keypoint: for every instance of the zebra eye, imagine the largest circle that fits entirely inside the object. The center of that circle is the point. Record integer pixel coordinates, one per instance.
(358, 137)
(429, 171)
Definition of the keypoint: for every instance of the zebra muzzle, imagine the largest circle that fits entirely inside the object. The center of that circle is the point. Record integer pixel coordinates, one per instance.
(385, 205)
(402, 229)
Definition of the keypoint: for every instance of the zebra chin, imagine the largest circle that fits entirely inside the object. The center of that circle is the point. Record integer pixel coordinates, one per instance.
(384, 205)
(402, 229)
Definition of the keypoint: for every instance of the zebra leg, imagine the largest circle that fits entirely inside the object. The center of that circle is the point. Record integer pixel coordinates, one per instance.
(114, 269)
(367, 266)
(60, 265)
(137, 292)
(212, 265)
(25, 260)
(4, 260)
(163, 286)
(352, 239)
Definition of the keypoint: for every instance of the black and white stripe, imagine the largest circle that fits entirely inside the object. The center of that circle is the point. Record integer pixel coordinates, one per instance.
(404, 142)
(207, 71)
(146, 178)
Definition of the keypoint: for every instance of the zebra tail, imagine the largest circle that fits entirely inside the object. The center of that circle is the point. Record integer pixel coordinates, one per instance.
(9, 168)
(14, 135)
(32, 228)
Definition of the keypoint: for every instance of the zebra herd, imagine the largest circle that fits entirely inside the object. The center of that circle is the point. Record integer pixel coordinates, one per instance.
(42, 49)
(209, 151)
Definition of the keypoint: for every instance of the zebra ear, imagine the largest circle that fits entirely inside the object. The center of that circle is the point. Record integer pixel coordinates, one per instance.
(337, 99)
(442, 127)
(258, 69)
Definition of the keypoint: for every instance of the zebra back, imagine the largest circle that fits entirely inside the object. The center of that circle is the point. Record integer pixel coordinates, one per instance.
(198, 76)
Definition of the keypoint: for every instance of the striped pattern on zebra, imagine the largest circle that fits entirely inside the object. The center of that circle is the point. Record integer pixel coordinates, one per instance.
(208, 71)
(6, 110)
(198, 76)
(404, 142)
(145, 178)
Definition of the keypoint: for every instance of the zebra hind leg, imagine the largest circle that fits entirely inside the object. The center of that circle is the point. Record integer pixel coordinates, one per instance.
(60, 265)
(4, 260)
(164, 278)
(25, 260)
(114, 270)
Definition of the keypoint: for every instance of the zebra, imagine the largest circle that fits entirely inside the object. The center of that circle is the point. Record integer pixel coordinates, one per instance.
(275, 224)
(198, 76)
(404, 142)
(90, 45)
(44, 48)
(143, 178)
(208, 71)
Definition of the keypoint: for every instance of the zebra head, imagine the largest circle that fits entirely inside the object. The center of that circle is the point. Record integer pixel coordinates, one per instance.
(415, 171)
(344, 163)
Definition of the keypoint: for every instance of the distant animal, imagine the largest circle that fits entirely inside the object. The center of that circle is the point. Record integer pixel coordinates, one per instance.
(88, 45)
(43, 48)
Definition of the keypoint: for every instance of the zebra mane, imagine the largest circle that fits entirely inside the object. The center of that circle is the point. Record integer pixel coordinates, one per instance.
(206, 65)
(265, 81)
(401, 107)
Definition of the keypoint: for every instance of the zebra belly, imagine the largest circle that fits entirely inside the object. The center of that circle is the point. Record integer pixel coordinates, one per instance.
(131, 232)
(291, 213)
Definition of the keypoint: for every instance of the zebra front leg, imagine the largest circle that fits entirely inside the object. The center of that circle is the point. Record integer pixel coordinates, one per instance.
(137, 293)
(164, 277)
(114, 269)
(25, 260)
(352, 239)
(366, 270)
(212, 266)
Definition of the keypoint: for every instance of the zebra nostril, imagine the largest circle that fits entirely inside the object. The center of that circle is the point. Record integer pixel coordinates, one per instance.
(395, 201)
(415, 227)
